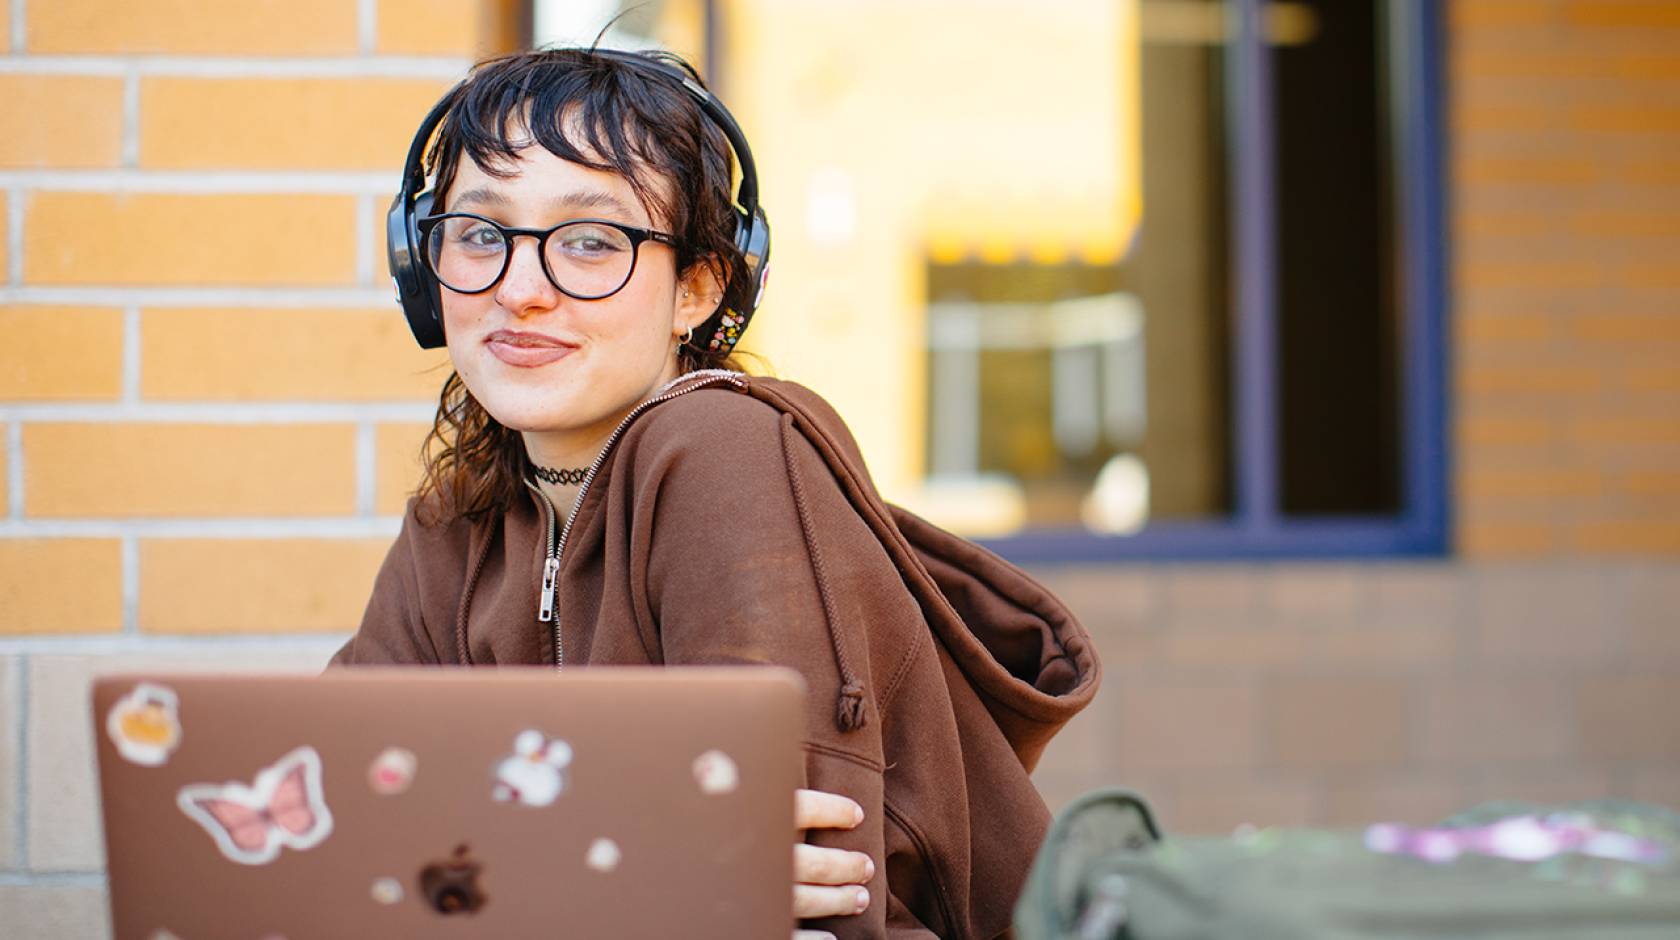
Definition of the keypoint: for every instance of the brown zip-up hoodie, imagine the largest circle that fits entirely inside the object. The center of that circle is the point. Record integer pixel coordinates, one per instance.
(730, 520)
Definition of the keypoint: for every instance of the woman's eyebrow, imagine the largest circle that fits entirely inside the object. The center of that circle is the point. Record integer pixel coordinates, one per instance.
(591, 199)
(481, 195)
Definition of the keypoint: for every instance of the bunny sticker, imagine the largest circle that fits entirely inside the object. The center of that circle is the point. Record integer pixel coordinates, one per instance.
(533, 773)
(284, 806)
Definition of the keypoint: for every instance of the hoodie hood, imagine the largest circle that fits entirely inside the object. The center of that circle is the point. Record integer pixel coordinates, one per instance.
(1023, 652)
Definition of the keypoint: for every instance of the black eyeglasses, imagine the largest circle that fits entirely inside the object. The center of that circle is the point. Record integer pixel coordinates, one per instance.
(585, 258)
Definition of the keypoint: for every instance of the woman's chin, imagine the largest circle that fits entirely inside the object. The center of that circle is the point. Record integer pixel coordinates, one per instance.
(528, 420)
(522, 409)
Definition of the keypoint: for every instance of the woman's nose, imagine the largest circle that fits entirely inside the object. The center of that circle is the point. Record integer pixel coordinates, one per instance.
(525, 287)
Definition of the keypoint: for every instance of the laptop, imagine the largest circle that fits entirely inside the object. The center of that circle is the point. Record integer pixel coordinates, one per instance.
(432, 802)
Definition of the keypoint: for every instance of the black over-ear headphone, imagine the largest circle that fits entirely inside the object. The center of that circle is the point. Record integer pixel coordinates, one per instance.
(419, 293)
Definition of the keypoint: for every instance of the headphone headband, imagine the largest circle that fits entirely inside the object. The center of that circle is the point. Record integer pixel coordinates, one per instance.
(419, 293)
(747, 195)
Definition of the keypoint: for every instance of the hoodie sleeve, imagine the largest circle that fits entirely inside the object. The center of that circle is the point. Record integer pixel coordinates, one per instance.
(750, 554)
(393, 631)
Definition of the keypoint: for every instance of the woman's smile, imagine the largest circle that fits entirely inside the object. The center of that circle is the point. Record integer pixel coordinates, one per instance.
(527, 349)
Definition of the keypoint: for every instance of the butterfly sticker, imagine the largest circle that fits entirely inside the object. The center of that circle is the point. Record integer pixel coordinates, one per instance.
(284, 806)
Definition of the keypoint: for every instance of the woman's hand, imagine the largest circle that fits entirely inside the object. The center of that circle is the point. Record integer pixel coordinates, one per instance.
(827, 882)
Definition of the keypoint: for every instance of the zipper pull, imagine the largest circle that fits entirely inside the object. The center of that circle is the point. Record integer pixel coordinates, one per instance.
(545, 600)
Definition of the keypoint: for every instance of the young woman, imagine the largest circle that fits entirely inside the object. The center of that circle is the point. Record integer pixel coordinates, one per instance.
(606, 487)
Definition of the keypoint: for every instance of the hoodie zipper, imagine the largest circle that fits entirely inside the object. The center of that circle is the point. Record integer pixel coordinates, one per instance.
(702, 378)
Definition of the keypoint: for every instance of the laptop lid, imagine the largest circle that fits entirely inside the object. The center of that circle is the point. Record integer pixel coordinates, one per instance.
(432, 802)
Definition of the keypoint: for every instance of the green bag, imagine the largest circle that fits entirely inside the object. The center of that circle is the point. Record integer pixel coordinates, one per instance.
(1605, 871)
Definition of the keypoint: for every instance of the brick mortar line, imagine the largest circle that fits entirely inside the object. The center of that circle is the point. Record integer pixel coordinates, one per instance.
(22, 834)
(52, 879)
(367, 25)
(268, 297)
(207, 182)
(14, 470)
(222, 412)
(223, 67)
(169, 643)
(131, 118)
(367, 470)
(131, 585)
(15, 197)
(221, 529)
(131, 356)
(20, 26)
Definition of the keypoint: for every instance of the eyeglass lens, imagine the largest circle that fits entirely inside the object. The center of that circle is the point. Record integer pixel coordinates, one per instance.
(586, 259)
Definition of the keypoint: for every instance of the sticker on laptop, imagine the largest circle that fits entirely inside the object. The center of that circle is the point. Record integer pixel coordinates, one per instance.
(603, 855)
(386, 890)
(284, 806)
(392, 771)
(534, 774)
(716, 773)
(144, 725)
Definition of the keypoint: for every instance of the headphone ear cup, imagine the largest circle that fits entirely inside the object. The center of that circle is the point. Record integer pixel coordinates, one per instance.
(752, 239)
(417, 290)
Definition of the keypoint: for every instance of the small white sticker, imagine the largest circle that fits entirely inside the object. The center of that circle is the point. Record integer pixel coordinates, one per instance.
(392, 772)
(387, 890)
(716, 773)
(534, 773)
(603, 855)
(144, 725)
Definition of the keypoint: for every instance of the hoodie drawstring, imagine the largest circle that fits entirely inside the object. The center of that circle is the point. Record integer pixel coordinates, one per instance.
(850, 712)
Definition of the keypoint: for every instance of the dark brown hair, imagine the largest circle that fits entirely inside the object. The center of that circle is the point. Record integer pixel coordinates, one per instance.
(606, 114)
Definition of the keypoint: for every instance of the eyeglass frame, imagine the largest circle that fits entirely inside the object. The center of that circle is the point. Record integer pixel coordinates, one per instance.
(637, 236)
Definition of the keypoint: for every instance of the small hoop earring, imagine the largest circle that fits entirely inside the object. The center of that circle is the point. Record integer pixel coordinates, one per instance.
(687, 336)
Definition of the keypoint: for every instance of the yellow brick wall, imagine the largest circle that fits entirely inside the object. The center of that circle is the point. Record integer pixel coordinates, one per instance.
(211, 408)
(193, 297)
(1565, 122)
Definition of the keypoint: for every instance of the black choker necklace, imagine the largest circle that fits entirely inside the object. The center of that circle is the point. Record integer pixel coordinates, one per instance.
(572, 477)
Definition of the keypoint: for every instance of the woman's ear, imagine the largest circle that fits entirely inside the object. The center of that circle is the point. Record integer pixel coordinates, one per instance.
(699, 292)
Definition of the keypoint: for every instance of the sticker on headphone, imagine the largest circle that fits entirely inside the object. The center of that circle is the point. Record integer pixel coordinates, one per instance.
(284, 806)
(144, 725)
(392, 772)
(716, 773)
(534, 774)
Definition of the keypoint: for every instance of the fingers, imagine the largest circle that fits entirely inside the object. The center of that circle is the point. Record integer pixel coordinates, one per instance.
(814, 809)
(825, 901)
(819, 866)
(830, 880)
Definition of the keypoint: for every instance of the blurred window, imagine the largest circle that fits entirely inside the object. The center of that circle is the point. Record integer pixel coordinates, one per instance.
(1101, 278)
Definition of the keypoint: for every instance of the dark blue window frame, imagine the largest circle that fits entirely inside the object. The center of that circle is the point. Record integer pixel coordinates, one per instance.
(1257, 528)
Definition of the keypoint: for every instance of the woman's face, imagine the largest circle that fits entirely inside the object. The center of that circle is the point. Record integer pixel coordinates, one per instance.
(536, 359)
